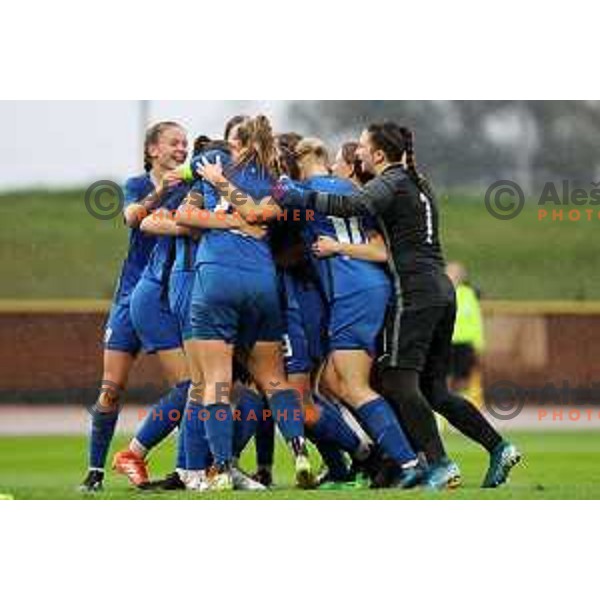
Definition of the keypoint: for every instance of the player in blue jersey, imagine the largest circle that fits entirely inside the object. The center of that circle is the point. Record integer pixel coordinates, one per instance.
(235, 305)
(350, 262)
(158, 330)
(176, 281)
(164, 150)
(352, 338)
(305, 343)
(419, 327)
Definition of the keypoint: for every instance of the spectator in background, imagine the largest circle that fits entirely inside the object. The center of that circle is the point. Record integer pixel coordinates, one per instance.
(467, 342)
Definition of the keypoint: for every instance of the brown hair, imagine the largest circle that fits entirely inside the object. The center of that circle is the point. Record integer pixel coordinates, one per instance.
(258, 140)
(153, 134)
(288, 140)
(350, 158)
(231, 123)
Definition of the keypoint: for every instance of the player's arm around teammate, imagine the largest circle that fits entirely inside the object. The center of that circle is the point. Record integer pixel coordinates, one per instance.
(420, 326)
(235, 303)
(121, 342)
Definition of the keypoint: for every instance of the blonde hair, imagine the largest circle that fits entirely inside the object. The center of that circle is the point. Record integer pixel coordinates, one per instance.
(313, 147)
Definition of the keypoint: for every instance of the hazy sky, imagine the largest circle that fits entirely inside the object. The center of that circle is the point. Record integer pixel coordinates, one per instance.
(53, 144)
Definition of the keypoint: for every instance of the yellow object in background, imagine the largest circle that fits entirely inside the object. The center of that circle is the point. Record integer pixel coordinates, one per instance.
(468, 328)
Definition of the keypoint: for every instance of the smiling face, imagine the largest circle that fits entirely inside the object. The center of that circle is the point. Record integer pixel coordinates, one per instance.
(170, 149)
(370, 157)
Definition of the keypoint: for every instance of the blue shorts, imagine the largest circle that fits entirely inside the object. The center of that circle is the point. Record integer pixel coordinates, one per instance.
(180, 295)
(238, 307)
(357, 319)
(119, 333)
(154, 323)
(306, 324)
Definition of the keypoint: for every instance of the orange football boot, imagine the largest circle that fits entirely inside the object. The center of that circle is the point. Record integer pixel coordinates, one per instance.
(132, 466)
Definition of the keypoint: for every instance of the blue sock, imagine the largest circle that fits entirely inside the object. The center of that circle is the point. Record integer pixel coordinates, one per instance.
(381, 424)
(331, 427)
(101, 435)
(181, 460)
(265, 440)
(287, 412)
(333, 458)
(163, 416)
(197, 450)
(219, 432)
(245, 423)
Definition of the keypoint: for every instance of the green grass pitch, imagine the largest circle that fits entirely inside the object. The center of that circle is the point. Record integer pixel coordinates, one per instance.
(557, 466)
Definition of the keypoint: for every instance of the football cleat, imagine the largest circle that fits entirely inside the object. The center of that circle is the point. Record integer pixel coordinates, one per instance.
(411, 477)
(196, 481)
(263, 476)
(503, 458)
(132, 466)
(93, 481)
(444, 475)
(219, 479)
(241, 481)
(305, 478)
(172, 481)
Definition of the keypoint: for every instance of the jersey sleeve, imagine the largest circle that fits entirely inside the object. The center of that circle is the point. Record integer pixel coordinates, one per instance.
(372, 200)
(132, 191)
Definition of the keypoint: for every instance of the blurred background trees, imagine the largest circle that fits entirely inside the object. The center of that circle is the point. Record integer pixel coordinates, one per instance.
(471, 143)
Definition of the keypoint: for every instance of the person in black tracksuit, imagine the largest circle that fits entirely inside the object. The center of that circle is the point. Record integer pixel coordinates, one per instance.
(419, 327)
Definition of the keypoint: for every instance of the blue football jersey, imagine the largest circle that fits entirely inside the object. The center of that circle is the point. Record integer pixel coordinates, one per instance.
(342, 275)
(186, 246)
(233, 248)
(163, 254)
(140, 244)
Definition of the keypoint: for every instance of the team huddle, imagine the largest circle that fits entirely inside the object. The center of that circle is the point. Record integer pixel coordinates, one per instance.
(286, 289)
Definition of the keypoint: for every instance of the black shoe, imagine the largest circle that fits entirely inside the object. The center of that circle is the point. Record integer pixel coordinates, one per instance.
(171, 482)
(92, 482)
(387, 475)
(264, 477)
(369, 466)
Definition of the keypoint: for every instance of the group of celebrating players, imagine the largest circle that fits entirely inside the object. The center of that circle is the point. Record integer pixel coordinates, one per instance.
(282, 289)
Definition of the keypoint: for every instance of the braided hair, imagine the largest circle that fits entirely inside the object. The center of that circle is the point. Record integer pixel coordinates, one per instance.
(396, 143)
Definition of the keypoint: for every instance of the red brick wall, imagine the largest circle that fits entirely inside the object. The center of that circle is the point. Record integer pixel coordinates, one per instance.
(52, 351)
